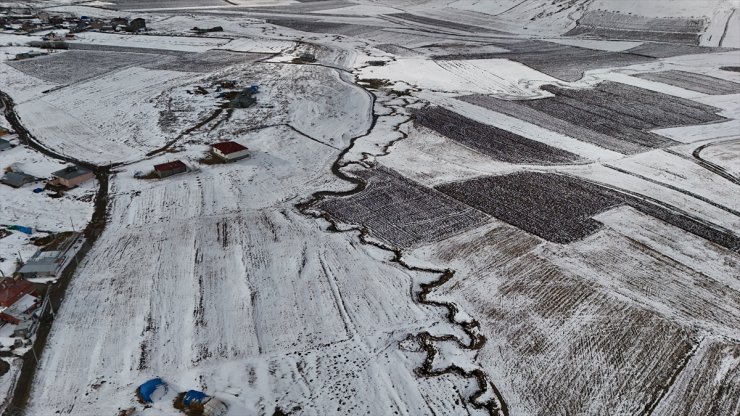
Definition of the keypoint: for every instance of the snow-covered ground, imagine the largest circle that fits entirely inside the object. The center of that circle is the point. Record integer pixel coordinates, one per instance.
(219, 279)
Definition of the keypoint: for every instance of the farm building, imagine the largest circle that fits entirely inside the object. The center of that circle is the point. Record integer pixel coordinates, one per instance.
(17, 179)
(170, 168)
(71, 176)
(137, 25)
(119, 21)
(12, 290)
(229, 151)
(4, 145)
(49, 263)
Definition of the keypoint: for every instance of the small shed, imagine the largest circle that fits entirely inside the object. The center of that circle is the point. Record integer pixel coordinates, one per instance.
(137, 24)
(119, 21)
(72, 176)
(164, 170)
(5, 145)
(230, 151)
(17, 179)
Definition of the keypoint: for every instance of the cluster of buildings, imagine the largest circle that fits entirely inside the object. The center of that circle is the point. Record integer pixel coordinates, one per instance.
(20, 297)
(20, 20)
(225, 152)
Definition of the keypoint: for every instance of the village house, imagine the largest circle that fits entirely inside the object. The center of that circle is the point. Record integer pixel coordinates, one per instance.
(229, 151)
(16, 299)
(71, 176)
(17, 179)
(164, 170)
(50, 263)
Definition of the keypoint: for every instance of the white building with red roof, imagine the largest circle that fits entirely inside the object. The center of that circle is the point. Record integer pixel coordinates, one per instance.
(229, 151)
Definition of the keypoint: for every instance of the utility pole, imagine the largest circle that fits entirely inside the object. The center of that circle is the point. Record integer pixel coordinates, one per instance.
(72, 222)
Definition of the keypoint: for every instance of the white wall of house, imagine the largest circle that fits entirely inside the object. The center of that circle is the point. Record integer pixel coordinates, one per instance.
(231, 156)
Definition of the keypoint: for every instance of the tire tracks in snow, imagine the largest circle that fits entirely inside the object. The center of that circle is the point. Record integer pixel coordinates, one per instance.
(486, 397)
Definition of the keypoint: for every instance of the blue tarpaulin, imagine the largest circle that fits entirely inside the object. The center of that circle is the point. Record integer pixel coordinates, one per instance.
(38, 190)
(145, 390)
(27, 230)
(194, 396)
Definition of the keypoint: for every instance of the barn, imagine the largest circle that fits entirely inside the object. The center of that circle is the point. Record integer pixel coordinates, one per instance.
(229, 151)
(164, 170)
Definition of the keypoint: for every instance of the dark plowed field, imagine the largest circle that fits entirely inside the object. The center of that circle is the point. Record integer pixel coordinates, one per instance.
(402, 212)
(444, 24)
(206, 62)
(612, 115)
(556, 208)
(164, 4)
(560, 208)
(663, 50)
(609, 25)
(313, 26)
(560, 61)
(65, 67)
(694, 82)
(110, 48)
(497, 143)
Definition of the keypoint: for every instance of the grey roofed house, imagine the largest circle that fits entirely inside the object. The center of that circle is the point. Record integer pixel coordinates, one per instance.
(45, 263)
(72, 176)
(71, 172)
(4, 145)
(17, 179)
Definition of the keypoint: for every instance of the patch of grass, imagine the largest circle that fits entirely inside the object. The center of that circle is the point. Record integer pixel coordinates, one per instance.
(404, 93)
(374, 83)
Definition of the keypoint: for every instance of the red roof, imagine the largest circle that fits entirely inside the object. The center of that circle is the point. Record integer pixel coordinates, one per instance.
(12, 290)
(229, 147)
(170, 166)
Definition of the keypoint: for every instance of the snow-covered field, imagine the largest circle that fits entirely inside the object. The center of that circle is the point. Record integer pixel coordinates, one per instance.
(568, 226)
